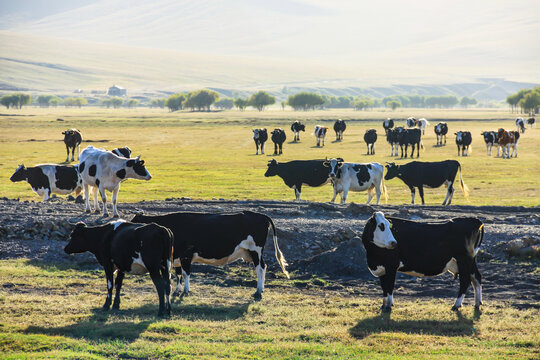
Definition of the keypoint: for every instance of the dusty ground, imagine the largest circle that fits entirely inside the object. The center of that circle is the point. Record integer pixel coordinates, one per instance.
(318, 240)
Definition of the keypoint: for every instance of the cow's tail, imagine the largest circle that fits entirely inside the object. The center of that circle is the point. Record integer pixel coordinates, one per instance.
(279, 255)
(168, 251)
(464, 187)
(479, 239)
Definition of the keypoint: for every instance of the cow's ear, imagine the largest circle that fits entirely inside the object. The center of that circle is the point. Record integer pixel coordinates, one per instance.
(340, 159)
(141, 162)
(63, 133)
(130, 163)
(326, 163)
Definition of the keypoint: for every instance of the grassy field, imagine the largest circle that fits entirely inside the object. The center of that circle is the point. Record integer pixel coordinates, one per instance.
(53, 312)
(212, 155)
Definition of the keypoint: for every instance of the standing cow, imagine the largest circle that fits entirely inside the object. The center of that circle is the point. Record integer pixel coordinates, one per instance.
(370, 137)
(411, 137)
(531, 122)
(72, 139)
(339, 128)
(278, 138)
(424, 249)
(296, 127)
(48, 179)
(388, 124)
(411, 122)
(422, 124)
(508, 140)
(356, 177)
(392, 137)
(490, 138)
(320, 134)
(441, 129)
(520, 124)
(260, 136)
(463, 142)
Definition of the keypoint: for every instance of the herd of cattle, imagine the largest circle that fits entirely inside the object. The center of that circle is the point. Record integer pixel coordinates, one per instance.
(156, 244)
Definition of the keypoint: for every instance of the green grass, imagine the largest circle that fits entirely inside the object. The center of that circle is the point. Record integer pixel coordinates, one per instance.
(53, 313)
(211, 155)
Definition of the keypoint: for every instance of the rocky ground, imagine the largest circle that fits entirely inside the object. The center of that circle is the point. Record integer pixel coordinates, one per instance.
(319, 240)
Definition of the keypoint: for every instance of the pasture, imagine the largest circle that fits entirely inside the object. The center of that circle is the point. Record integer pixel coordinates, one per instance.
(212, 155)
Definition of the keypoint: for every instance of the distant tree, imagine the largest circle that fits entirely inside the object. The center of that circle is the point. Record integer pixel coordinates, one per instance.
(75, 101)
(201, 99)
(55, 101)
(512, 100)
(6, 100)
(363, 103)
(44, 100)
(106, 102)
(224, 104)
(116, 102)
(341, 102)
(176, 101)
(160, 103)
(131, 103)
(393, 104)
(261, 99)
(241, 104)
(531, 101)
(283, 104)
(305, 101)
(466, 101)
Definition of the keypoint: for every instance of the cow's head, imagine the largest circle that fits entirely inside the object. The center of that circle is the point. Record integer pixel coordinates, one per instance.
(276, 131)
(19, 174)
(459, 136)
(135, 169)
(257, 133)
(335, 166)
(272, 168)
(378, 230)
(77, 240)
(392, 170)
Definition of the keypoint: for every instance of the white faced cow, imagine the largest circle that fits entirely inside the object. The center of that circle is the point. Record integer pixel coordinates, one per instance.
(320, 134)
(356, 177)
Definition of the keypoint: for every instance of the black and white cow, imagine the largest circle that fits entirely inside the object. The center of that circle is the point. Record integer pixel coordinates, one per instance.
(441, 129)
(531, 122)
(490, 138)
(520, 124)
(72, 139)
(339, 128)
(387, 125)
(122, 152)
(411, 137)
(103, 170)
(320, 134)
(356, 177)
(300, 172)
(392, 137)
(260, 136)
(218, 239)
(370, 137)
(463, 142)
(278, 138)
(422, 124)
(411, 122)
(48, 179)
(296, 127)
(431, 174)
(424, 249)
(124, 247)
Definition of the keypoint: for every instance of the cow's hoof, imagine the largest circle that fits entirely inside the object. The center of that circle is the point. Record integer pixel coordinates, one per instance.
(116, 307)
(257, 296)
(455, 308)
(175, 294)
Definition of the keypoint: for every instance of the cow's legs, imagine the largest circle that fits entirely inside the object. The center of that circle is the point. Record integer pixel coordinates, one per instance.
(186, 271)
(406, 150)
(104, 200)
(114, 198)
(373, 149)
(260, 268)
(95, 194)
(166, 279)
(109, 275)
(178, 276)
(378, 192)
(444, 140)
(46, 194)
(275, 149)
(464, 268)
(335, 194)
(412, 194)
(297, 191)
(256, 148)
(262, 148)
(421, 192)
(160, 287)
(476, 280)
(87, 197)
(323, 140)
(387, 284)
(73, 153)
(344, 196)
(118, 285)
(448, 193)
(370, 194)
(67, 149)
(280, 148)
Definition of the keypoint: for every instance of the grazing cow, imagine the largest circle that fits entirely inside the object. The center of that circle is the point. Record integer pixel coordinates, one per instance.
(370, 137)
(490, 138)
(72, 139)
(463, 142)
(411, 122)
(260, 136)
(124, 247)
(441, 129)
(422, 124)
(411, 137)
(507, 140)
(531, 122)
(356, 177)
(48, 179)
(320, 134)
(218, 239)
(296, 127)
(339, 128)
(392, 137)
(103, 170)
(432, 174)
(388, 124)
(520, 124)
(278, 138)
(122, 152)
(424, 249)
(299, 172)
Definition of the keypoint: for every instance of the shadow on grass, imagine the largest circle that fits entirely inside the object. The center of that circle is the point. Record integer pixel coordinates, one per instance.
(383, 322)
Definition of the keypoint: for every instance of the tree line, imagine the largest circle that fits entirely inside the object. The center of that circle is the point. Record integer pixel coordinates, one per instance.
(525, 100)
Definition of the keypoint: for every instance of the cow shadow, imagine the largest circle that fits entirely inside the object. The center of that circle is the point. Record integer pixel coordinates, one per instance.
(460, 326)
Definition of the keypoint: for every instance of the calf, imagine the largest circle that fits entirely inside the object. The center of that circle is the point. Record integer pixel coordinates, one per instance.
(424, 249)
(320, 134)
(388, 124)
(124, 247)
(260, 136)
(507, 140)
(296, 127)
(299, 172)
(531, 122)
(48, 179)
(520, 124)
(490, 138)
(218, 239)
(122, 152)
(422, 124)
(278, 138)
(103, 171)
(72, 139)
(370, 137)
(441, 129)
(432, 174)
(411, 137)
(392, 137)
(339, 128)
(356, 177)
(463, 142)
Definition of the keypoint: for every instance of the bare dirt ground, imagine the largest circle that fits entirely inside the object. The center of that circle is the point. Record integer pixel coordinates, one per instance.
(321, 242)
